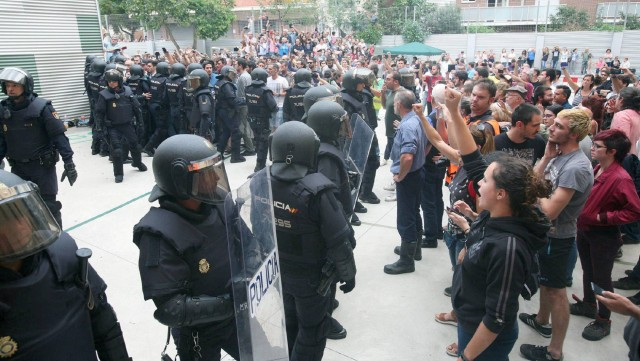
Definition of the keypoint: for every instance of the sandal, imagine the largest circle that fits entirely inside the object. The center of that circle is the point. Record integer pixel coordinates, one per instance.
(452, 350)
(446, 318)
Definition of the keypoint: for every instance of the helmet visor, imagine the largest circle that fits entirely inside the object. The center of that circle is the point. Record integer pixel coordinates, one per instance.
(193, 83)
(209, 180)
(13, 75)
(27, 224)
(345, 127)
(366, 76)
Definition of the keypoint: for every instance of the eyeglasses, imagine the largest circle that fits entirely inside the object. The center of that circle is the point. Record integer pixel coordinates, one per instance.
(598, 146)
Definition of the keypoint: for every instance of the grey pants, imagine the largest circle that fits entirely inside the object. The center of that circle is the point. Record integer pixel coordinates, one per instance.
(245, 129)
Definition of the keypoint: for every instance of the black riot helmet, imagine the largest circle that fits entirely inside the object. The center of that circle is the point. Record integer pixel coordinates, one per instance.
(113, 75)
(89, 59)
(302, 78)
(178, 71)
(197, 80)
(98, 67)
(187, 166)
(357, 76)
(136, 72)
(27, 224)
(329, 120)
(119, 59)
(18, 76)
(162, 68)
(229, 72)
(293, 149)
(259, 76)
(317, 94)
(407, 78)
(193, 66)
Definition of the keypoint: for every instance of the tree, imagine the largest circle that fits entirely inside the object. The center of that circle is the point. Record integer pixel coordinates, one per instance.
(284, 8)
(209, 18)
(413, 32)
(118, 19)
(569, 18)
(444, 20)
(372, 34)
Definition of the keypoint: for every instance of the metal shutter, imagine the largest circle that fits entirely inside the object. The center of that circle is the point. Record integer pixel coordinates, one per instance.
(50, 39)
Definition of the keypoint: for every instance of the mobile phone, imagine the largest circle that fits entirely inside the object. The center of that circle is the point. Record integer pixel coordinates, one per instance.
(596, 289)
(164, 50)
(449, 209)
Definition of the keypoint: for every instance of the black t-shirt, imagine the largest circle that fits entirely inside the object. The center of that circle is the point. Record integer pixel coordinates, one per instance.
(530, 150)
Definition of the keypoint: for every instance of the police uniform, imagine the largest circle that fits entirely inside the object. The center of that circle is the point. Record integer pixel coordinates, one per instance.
(186, 102)
(293, 106)
(176, 114)
(158, 108)
(226, 110)
(261, 104)
(32, 139)
(118, 111)
(96, 84)
(202, 113)
(361, 103)
(140, 86)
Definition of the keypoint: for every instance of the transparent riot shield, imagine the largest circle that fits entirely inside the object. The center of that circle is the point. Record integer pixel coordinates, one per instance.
(357, 151)
(255, 271)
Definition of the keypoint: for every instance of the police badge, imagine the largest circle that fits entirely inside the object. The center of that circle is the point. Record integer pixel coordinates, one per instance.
(203, 266)
(8, 347)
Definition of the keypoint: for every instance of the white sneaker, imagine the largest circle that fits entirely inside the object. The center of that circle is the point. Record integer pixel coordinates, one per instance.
(391, 187)
(384, 162)
(391, 198)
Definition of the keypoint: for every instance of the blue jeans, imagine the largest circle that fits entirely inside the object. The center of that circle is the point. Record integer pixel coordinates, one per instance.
(408, 205)
(276, 119)
(455, 244)
(500, 348)
(431, 200)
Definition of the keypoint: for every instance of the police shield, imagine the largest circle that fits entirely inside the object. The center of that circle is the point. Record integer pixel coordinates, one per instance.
(357, 151)
(255, 271)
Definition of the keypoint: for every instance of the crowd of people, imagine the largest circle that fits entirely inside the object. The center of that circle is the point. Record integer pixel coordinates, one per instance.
(540, 174)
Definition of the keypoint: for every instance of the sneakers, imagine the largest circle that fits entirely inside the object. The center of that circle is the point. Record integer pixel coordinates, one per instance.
(239, 159)
(530, 320)
(537, 353)
(447, 291)
(597, 330)
(369, 198)
(581, 308)
(391, 198)
(391, 187)
(627, 283)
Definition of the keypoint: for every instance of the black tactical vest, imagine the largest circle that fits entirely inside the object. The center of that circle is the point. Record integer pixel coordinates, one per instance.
(299, 237)
(202, 246)
(96, 85)
(173, 88)
(24, 130)
(362, 107)
(222, 102)
(187, 99)
(45, 313)
(257, 107)
(337, 158)
(296, 99)
(119, 110)
(158, 84)
(198, 108)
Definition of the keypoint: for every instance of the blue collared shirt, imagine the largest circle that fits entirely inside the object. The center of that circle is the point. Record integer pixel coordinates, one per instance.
(410, 138)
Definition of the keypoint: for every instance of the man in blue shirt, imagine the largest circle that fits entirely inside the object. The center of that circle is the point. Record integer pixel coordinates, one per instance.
(408, 156)
(561, 96)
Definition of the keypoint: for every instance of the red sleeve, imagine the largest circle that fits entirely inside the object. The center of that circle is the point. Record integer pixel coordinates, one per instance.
(629, 204)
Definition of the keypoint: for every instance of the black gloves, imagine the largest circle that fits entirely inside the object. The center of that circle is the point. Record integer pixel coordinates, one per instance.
(348, 286)
(70, 172)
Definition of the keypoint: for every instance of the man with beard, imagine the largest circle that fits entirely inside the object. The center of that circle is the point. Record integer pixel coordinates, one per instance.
(522, 140)
(542, 97)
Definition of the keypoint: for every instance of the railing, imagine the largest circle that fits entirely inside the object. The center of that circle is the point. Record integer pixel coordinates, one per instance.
(612, 10)
(509, 15)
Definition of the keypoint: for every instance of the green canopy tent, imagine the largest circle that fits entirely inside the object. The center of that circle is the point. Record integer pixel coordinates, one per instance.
(413, 49)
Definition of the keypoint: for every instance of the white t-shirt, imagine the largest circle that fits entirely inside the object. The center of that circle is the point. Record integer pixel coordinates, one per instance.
(277, 86)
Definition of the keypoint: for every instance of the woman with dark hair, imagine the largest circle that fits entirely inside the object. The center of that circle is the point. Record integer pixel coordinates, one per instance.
(596, 105)
(613, 201)
(500, 246)
(627, 118)
(587, 88)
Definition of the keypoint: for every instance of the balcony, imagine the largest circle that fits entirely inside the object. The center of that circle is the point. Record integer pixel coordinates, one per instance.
(611, 10)
(507, 15)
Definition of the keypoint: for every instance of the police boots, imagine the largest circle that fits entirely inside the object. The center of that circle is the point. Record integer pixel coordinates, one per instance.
(405, 264)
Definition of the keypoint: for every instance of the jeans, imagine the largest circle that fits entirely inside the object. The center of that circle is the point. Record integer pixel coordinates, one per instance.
(276, 119)
(498, 350)
(431, 200)
(455, 244)
(408, 208)
(387, 149)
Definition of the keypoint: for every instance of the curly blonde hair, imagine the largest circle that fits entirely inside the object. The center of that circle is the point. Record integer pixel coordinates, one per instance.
(579, 122)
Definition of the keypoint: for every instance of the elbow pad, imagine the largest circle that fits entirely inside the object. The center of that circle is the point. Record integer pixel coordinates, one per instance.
(182, 310)
(342, 257)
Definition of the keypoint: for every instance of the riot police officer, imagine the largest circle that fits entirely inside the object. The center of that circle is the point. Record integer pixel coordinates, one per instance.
(408, 81)
(313, 239)
(203, 108)
(87, 69)
(174, 84)
(293, 106)
(359, 100)
(316, 94)
(117, 113)
(141, 89)
(186, 101)
(184, 260)
(158, 107)
(54, 305)
(261, 104)
(95, 84)
(227, 103)
(32, 137)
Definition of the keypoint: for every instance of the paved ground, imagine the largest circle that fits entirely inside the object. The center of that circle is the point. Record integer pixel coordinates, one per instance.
(387, 317)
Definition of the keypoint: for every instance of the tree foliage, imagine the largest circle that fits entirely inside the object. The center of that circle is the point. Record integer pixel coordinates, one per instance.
(286, 8)
(210, 18)
(480, 29)
(372, 34)
(569, 18)
(413, 32)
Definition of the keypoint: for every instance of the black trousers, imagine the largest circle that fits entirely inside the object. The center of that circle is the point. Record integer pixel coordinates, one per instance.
(261, 133)
(118, 134)
(47, 180)
(159, 120)
(230, 129)
(370, 168)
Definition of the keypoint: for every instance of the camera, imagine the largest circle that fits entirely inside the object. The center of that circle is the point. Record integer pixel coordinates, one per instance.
(615, 71)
